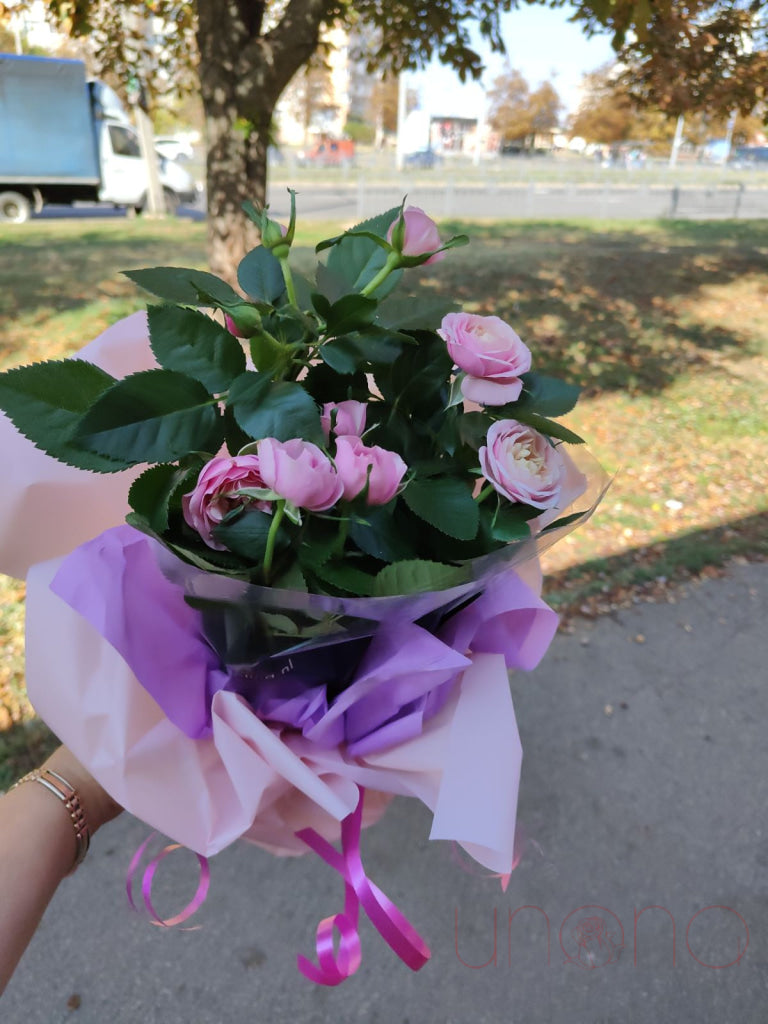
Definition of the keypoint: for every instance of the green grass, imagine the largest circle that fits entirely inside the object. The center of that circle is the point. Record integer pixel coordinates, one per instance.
(664, 324)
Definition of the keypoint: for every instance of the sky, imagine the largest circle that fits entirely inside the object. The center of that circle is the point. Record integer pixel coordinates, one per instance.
(540, 42)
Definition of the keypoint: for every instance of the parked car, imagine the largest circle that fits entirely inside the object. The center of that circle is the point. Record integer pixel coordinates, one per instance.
(422, 158)
(328, 153)
(750, 158)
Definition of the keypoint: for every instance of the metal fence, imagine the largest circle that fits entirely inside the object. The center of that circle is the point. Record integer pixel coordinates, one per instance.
(530, 200)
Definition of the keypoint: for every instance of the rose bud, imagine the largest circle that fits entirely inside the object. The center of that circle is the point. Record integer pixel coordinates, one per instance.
(353, 460)
(349, 418)
(416, 236)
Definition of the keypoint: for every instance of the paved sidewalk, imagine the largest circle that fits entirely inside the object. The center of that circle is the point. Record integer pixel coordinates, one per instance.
(645, 783)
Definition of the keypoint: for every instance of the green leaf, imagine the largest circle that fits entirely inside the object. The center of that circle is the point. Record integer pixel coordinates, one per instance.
(246, 535)
(350, 313)
(417, 575)
(341, 354)
(46, 401)
(380, 536)
(414, 313)
(510, 525)
(281, 409)
(260, 276)
(267, 353)
(194, 344)
(345, 577)
(347, 353)
(357, 258)
(473, 428)
(445, 503)
(189, 287)
(152, 416)
(565, 521)
(321, 304)
(548, 396)
(150, 494)
(544, 426)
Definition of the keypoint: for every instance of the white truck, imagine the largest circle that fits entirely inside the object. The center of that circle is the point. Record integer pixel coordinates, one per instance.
(64, 139)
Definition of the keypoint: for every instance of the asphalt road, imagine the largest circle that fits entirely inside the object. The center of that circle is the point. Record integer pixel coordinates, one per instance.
(645, 784)
(349, 201)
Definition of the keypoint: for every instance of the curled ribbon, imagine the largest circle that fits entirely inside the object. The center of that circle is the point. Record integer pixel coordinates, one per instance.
(391, 924)
(148, 877)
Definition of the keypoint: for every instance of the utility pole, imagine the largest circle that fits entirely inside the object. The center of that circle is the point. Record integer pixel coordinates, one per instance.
(402, 93)
(677, 141)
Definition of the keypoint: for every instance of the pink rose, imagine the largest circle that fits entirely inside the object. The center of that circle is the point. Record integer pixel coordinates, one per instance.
(216, 493)
(522, 465)
(352, 461)
(421, 235)
(490, 352)
(574, 484)
(299, 472)
(350, 417)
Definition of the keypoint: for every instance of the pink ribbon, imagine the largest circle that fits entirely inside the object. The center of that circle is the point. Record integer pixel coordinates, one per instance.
(146, 885)
(391, 924)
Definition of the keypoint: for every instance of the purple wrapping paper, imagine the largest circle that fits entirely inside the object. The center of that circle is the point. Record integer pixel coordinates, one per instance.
(400, 680)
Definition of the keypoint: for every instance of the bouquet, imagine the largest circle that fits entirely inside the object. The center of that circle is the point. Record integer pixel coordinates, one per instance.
(282, 553)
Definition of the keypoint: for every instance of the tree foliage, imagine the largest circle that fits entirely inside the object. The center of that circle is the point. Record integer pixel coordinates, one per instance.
(518, 113)
(688, 55)
(610, 113)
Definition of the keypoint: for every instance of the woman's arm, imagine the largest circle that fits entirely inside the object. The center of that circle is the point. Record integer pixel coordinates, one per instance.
(38, 847)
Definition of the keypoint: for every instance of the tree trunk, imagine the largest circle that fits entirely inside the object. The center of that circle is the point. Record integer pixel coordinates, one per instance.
(243, 71)
(236, 170)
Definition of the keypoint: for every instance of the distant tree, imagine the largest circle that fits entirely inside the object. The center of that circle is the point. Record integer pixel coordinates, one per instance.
(309, 95)
(382, 106)
(610, 113)
(606, 113)
(519, 114)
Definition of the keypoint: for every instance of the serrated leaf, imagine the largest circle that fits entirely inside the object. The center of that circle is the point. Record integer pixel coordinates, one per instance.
(192, 343)
(180, 284)
(445, 503)
(510, 526)
(544, 425)
(152, 416)
(415, 576)
(548, 396)
(246, 535)
(414, 313)
(357, 258)
(280, 409)
(380, 537)
(341, 355)
(473, 428)
(46, 401)
(345, 577)
(565, 521)
(150, 493)
(260, 276)
(350, 313)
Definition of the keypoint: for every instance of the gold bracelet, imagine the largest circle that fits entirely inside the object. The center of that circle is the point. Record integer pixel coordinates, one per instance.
(68, 795)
